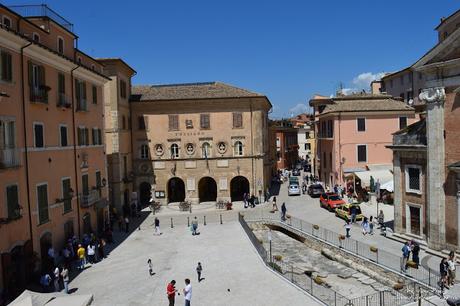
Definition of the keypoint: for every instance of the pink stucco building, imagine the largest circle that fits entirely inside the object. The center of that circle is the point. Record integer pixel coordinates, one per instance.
(353, 132)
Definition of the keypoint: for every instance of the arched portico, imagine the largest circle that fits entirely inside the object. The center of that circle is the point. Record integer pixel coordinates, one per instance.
(176, 190)
(207, 189)
(239, 185)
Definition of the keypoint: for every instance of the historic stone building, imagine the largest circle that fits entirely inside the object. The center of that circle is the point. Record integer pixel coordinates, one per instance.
(199, 142)
(426, 155)
(118, 130)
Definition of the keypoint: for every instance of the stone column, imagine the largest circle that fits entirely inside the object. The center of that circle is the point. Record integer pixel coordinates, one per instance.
(434, 99)
(398, 205)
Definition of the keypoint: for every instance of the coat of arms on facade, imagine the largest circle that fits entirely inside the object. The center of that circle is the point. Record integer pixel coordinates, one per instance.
(190, 148)
(221, 147)
(159, 150)
(189, 124)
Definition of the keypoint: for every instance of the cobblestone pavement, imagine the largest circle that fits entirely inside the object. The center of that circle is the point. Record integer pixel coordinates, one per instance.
(234, 273)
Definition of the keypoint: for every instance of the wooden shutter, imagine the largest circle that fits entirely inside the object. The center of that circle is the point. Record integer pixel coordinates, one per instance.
(86, 136)
(31, 72)
(237, 120)
(61, 83)
(84, 89)
(77, 90)
(12, 200)
(41, 73)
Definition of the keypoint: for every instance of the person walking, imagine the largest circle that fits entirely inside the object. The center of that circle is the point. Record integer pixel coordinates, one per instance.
(91, 251)
(444, 272)
(405, 256)
(371, 225)
(194, 227)
(415, 253)
(126, 224)
(347, 228)
(365, 226)
(171, 292)
(274, 206)
(81, 253)
(283, 211)
(451, 268)
(150, 266)
(157, 226)
(45, 281)
(100, 248)
(187, 292)
(65, 278)
(381, 218)
(245, 199)
(57, 274)
(199, 269)
(353, 213)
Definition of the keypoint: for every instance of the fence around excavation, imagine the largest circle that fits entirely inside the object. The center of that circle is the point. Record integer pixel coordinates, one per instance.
(327, 295)
(390, 261)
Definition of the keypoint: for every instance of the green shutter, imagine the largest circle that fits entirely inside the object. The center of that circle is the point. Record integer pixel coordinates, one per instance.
(12, 201)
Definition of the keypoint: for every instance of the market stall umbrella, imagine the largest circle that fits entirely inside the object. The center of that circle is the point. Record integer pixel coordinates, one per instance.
(389, 186)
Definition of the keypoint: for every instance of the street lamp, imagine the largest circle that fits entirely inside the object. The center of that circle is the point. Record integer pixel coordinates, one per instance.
(270, 241)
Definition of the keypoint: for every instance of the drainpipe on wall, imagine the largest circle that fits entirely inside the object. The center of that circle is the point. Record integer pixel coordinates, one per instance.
(252, 151)
(25, 140)
(72, 81)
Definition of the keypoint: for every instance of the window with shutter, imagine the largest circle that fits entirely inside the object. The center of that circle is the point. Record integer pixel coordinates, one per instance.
(42, 196)
(361, 124)
(66, 195)
(38, 135)
(63, 135)
(94, 94)
(86, 136)
(85, 184)
(204, 121)
(12, 201)
(362, 153)
(6, 67)
(237, 120)
(173, 122)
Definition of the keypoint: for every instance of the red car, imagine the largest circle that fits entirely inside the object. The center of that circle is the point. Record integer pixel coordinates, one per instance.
(330, 201)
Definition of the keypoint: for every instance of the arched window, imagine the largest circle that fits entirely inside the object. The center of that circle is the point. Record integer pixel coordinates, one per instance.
(238, 148)
(144, 151)
(206, 150)
(174, 151)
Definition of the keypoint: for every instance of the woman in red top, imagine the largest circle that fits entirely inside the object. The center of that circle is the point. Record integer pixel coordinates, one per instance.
(171, 292)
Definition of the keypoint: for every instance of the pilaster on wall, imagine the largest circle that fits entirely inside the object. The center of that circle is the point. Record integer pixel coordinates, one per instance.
(434, 99)
(398, 205)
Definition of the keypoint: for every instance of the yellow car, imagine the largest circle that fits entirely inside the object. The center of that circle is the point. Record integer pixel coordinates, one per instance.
(344, 212)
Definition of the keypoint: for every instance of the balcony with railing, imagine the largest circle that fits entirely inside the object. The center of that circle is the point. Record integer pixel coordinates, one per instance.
(63, 101)
(39, 94)
(82, 105)
(42, 10)
(9, 158)
(89, 199)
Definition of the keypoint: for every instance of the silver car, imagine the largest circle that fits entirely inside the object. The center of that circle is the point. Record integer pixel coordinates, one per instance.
(293, 189)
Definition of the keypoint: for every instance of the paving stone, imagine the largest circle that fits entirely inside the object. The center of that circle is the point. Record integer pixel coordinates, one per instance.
(358, 275)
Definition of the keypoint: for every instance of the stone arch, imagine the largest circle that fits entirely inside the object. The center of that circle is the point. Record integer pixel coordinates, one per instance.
(176, 190)
(239, 185)
(207, 189)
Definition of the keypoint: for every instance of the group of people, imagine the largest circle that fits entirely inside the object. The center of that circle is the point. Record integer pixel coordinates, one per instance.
(367, 225)
(447, 269)
(410, 247)
(249, 201)
(75, 255)
(187, 291)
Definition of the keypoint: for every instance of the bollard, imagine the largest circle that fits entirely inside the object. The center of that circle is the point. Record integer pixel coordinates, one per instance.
(220, 218)
(172, 226)
(188, 221)
(190, 207)
(204, 220)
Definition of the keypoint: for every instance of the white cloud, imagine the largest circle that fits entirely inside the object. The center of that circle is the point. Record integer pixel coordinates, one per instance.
(363, 80)
(298, 109)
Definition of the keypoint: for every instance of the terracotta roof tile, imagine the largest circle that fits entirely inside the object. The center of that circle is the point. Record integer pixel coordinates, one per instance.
(188, 91)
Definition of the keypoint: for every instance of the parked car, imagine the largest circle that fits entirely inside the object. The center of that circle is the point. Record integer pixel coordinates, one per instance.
(315, 190)
(296, 172)
(344, 212)
(330, 201)
(293, 180)
(293, 189)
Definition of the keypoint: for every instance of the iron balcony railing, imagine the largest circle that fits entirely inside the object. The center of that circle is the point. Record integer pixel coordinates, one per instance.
(39, 94)
(63, 101)
(42, 10)
(82, 105)
(90, 198)
(9, 157)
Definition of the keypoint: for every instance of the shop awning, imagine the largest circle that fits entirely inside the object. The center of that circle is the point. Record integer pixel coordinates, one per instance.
(384, 176)
(389, 186)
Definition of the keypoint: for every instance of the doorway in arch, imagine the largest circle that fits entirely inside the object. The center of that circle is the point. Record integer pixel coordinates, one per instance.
(145, 194)
(176, 190)
(207, 189)
(239, 185)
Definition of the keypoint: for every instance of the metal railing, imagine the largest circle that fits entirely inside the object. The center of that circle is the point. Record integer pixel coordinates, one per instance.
(316, 288)
(386, 259)
(90, 198)
(63, 101)
(38, 94)
(41, 10)
(9, 157)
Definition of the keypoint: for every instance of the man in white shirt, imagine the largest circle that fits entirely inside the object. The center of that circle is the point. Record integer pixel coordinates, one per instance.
(187, 292)
(57, 273)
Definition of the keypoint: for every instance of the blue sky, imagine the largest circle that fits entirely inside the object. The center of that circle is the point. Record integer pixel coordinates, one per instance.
(287, 50)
